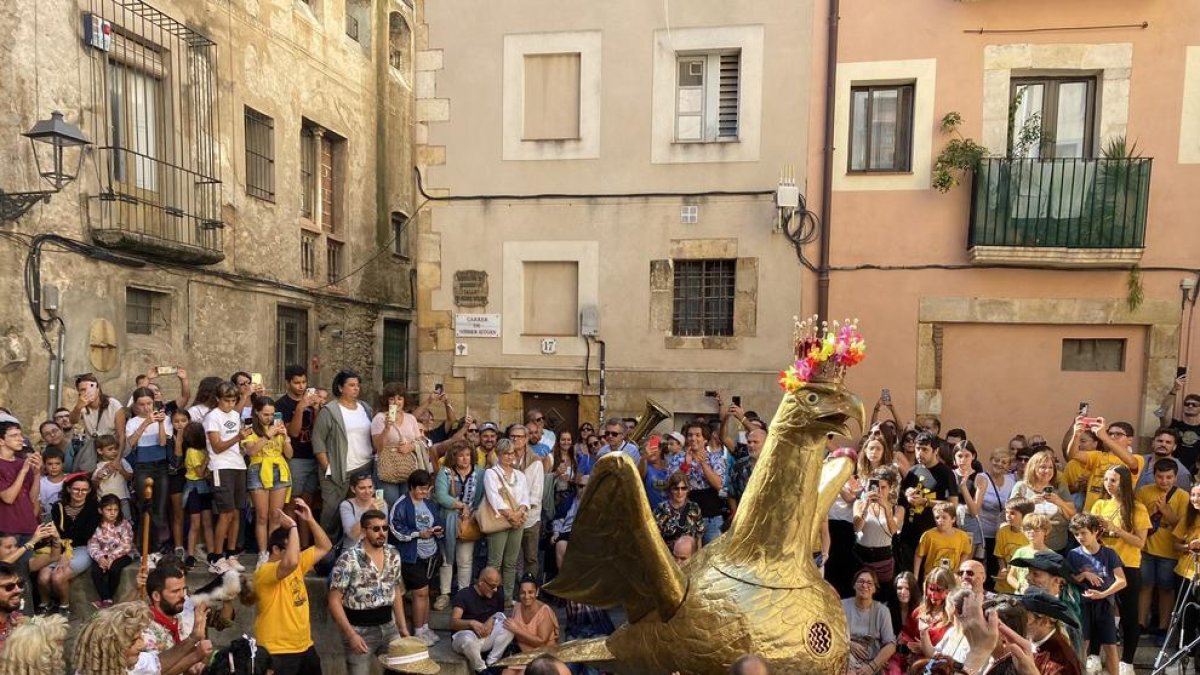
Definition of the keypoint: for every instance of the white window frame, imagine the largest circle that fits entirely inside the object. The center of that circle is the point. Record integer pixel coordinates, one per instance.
(709, 90)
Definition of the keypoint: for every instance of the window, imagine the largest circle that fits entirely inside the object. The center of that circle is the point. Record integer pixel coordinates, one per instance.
(260, 155)
(352, 27)
(703, 298)
(1093, 354)
(291, 345)
(395, 351)
(139, 119)
(551, 104)
(881, 128)
(328, 205)
(400, 236)
(551, 297)
(333, 261)
(706, 96)
(399, 37)
(144, 310)
(1053, 117)
(308, 171)
(308, 255)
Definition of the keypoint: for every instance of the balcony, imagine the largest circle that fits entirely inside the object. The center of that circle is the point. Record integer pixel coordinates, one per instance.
(1061, 212)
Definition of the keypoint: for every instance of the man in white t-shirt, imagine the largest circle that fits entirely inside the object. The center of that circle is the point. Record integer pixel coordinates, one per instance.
(223, 428)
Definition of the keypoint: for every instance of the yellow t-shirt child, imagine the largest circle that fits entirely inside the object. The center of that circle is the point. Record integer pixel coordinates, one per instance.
(953, 545)
(1185, 534)
(1110, 509)
(1160, 542)
(1008, 540)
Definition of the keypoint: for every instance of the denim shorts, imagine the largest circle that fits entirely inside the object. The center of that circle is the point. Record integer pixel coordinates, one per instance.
(1157, 572)
(254, 478)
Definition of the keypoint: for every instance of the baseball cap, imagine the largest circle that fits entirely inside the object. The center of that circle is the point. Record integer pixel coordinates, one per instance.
(488, 426)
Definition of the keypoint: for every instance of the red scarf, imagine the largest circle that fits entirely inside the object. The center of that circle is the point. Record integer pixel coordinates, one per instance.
(166, 622)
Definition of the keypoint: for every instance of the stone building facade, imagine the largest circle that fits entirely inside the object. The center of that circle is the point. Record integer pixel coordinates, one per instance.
(244, 204)
(601, 232)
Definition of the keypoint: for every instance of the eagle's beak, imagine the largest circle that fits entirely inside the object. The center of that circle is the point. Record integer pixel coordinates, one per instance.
(843, 409)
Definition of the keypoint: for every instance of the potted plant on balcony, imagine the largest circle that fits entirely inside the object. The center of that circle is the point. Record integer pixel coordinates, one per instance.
(1119, 210)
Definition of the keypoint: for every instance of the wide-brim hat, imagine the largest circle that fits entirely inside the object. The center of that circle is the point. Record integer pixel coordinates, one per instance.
(1047, 561)
(1043, 603)
(408, 655)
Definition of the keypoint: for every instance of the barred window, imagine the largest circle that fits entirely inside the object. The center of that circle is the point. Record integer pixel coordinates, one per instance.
(260, 155)
(308, 171)
(144, 310)
(333, 261)
(395, 350)
(703, 300)
(308, 255)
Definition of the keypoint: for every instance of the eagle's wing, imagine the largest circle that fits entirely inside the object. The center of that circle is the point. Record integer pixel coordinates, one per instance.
(590, 650)
(616, 555)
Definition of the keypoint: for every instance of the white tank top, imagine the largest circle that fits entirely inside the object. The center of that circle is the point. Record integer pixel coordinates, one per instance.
(874, 532)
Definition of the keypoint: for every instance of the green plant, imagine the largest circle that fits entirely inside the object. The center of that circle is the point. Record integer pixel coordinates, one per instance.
(1134, 294)
(1120, 184)
(960, 155)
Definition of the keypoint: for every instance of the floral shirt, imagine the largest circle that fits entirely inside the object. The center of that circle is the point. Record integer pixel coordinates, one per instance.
(110, 542)
(695, 473)
(363, 585)
(14, 618)
(674, 524)
(741, 475)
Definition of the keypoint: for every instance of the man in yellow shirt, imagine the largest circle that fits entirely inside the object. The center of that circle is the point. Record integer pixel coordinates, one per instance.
(283, 624)
(1166, 505)
(1116, 443)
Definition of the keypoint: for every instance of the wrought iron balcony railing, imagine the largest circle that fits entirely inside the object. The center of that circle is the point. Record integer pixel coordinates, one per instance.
(1060, 204)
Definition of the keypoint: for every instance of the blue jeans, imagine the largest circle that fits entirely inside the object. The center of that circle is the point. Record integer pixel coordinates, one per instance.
(712, 528)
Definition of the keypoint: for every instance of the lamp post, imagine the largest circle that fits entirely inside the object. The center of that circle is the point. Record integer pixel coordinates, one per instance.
(51, 140)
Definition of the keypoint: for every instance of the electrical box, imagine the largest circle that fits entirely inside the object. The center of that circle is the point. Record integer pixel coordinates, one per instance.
(97, 32)
(49, 298)
(787, 196)
(589, 321)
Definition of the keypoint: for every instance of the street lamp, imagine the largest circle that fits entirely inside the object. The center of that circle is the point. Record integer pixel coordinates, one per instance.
(51, 140)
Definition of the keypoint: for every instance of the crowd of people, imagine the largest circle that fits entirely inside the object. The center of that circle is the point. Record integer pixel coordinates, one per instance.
(405, 511)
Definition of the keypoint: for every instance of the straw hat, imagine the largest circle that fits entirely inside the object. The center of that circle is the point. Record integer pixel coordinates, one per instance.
(408, 655)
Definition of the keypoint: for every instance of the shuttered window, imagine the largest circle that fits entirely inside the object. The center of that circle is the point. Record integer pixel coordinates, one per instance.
(707, 96)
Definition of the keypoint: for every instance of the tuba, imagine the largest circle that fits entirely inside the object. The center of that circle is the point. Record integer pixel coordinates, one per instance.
(650, 417)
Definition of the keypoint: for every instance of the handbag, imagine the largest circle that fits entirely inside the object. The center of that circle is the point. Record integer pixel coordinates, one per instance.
(468, 526)
(395, 466)
(490, 520)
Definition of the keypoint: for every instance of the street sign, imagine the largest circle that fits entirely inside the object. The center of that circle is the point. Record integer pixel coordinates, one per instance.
(476, 325)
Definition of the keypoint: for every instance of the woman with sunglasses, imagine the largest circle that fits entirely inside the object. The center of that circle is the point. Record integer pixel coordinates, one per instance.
(76, 517)
(101, 414)
(906, 456)
(507, 492)
(678, 516)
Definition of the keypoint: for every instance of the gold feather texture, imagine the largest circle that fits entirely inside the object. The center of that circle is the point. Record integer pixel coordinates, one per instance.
(755, 589)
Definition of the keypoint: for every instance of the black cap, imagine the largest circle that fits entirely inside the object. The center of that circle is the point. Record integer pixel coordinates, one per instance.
(1045, 604)
(1047, 561)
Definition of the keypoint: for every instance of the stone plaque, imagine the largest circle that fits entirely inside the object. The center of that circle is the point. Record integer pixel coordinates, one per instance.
(471, 288)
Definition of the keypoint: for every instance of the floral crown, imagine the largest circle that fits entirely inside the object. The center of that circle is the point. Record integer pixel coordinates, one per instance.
(823, 355)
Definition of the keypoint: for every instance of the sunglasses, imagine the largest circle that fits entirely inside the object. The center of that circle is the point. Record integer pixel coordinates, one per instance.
(377, 528)
(472, 431)
(1191, 404)
(679, 488)
(539, 419)
(243, 383)
(970, 574)
(12, 586)
(610, 434)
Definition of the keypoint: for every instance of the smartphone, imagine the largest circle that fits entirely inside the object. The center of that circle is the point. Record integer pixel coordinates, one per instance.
(256, 378)
(158, 406)
(311, 391)
(278, 417)
(166, 370)
(438, 388)
(1083, 408)
(392, 412)
(1047, 490)
(737, 400)
(885, 395)
(711, 393)
(1180, 371)
(873, 485)
(379, 495)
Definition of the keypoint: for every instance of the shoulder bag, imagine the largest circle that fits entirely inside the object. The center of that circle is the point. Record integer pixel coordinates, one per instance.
(490, 520)
(468, 526)
(395, 466)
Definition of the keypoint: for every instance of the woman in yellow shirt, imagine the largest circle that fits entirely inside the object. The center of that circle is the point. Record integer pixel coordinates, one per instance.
(1126, 522)
(267, 477)
(1187, 534)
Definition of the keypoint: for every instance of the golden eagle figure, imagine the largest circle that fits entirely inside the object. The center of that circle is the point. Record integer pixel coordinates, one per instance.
(755, 589)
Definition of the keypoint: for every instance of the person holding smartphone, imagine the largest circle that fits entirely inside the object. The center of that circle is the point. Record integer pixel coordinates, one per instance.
(146, 438)
(268, 478)
(417, 525)
(1187, 423)
(100, 414)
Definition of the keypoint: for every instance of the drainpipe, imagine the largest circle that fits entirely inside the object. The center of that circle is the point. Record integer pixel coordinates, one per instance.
(53, 392)
(603, 387)
(827, 163)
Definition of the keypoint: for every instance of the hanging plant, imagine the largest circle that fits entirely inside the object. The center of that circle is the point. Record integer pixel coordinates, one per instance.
(960, 155)
(1133, 284)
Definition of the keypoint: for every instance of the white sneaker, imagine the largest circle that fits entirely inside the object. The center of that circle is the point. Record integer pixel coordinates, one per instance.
(432, 635)
(1125, 669)
(1093, 664)
(234, 564)
(262, 559)
(425, 635)
(220, 567)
